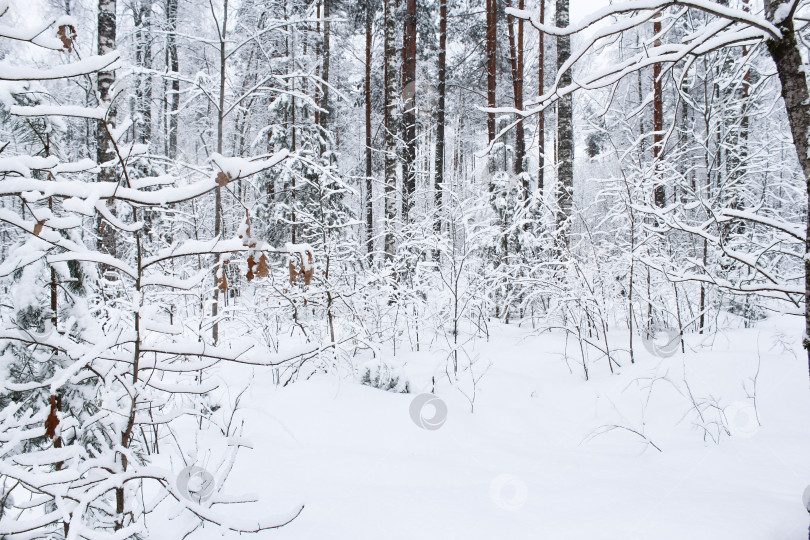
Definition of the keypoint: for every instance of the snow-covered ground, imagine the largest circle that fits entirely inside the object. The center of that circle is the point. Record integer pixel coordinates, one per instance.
(538, 458)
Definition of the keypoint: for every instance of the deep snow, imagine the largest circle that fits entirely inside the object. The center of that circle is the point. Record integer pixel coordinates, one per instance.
(529, 462)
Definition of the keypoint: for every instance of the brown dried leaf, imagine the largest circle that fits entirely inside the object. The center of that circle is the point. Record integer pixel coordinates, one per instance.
(38, 227)
(67, 34)
(263, 269)
(222, 282)
(293, 273)
(223, 178)
(305, 273)
(308, 273)
(52, 422)
(250, 264)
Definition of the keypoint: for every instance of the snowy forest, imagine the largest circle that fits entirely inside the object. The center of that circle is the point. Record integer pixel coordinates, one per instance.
(404, 269)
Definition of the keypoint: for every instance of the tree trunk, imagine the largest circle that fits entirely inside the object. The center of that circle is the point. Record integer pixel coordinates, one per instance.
(369, 184)
(390, 128)
(409, 107)
(516, 60)
(106, 44)
(142, 16)
(736, 199)
(325, 68)
(541, 118)
(318, 66)
(492, 63)
(220, 127)
(786, 54)
(173, 63)
(565, 131)
(658, 121)
(440, 113)
(104, 147)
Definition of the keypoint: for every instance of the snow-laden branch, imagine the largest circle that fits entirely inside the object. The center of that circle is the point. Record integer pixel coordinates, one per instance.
(93, 64)
(614, 10)
(71, 111)
(217, 246)
(793, 230)
(238, 168)
(729, 28)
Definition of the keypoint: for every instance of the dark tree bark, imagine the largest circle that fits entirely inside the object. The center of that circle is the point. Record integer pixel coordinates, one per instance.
(786, 54)
(173, 63)
(106, 44)
(565, 130)
(369, 184)
(223, 33)
(516, 59)
(409, 107)
(318, 45)
(104, 144)
(142, 15)
(492, 63)
(658, 120)
(325, 116)
(390, 127)
(743, 138)
(105, 154)
(440, 113)
(541, 118)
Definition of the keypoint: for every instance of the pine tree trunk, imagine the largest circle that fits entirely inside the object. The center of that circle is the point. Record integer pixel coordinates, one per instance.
(492, 63)
(390, 128)
(409, 107)
(440, 114)
(516, 60)
(369, 184)
(541, 118)
(565, 132)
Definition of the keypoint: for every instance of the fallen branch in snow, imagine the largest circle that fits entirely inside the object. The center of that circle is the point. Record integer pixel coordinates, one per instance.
(608, 428)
